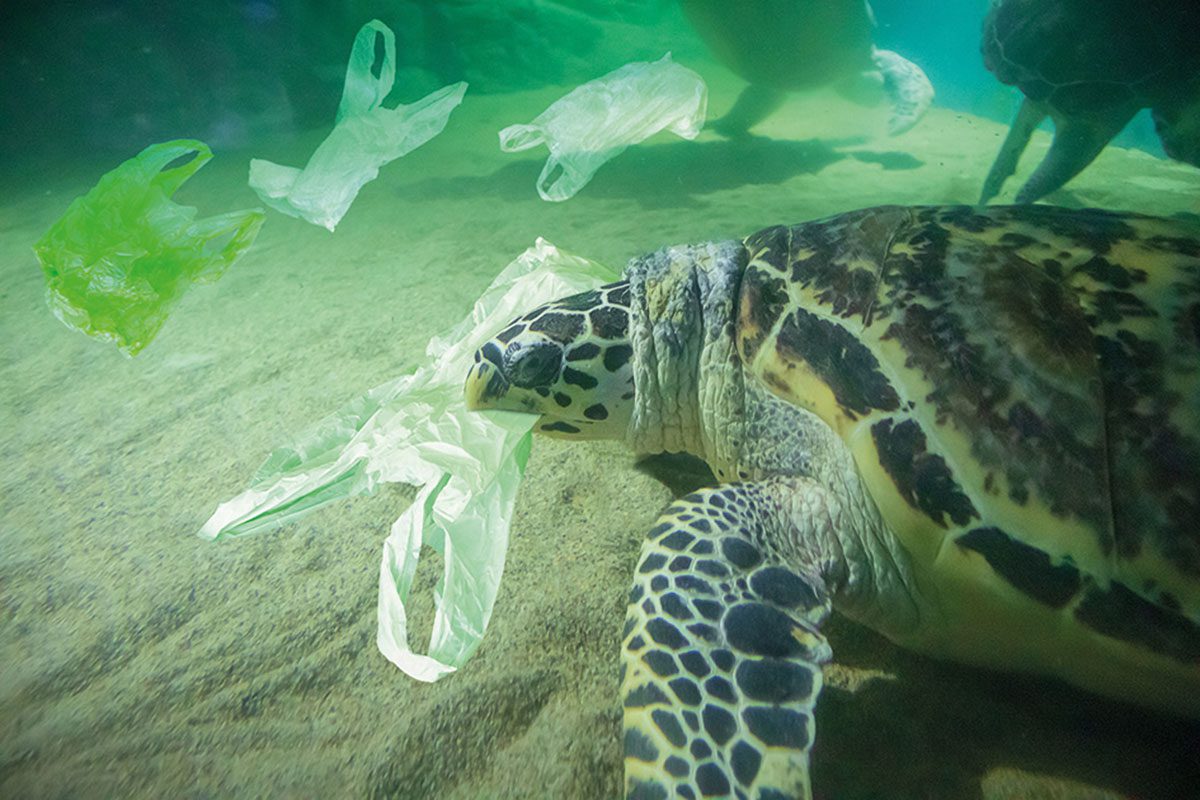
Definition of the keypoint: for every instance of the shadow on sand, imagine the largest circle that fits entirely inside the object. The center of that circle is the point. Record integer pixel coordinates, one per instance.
(937, 730)
(676, 173)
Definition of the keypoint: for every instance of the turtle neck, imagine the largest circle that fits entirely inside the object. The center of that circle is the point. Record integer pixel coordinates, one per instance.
(687, 376)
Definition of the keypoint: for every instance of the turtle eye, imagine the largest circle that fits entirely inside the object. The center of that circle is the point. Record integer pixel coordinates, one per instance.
(529, 366)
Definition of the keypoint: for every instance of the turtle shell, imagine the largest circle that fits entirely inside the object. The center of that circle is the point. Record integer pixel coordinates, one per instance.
(1023, 382)
(1090, 56)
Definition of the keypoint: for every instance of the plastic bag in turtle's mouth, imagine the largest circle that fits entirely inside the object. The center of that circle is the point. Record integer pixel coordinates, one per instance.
(416, 429)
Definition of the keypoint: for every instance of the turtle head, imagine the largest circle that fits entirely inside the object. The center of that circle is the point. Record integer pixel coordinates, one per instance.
(567, 361)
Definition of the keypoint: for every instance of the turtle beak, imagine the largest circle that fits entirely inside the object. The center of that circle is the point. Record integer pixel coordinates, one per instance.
(485, 385)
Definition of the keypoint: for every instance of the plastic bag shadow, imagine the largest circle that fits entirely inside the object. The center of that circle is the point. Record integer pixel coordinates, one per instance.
(676, 174)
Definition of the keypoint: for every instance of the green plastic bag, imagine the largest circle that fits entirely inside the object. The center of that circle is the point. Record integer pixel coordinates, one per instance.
(416, 429)
(124, 253)
(366, 136)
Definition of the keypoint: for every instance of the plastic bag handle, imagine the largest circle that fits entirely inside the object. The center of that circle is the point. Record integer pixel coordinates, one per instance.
(244, 227)
(362, 91)
(521, 137)
(157, 156)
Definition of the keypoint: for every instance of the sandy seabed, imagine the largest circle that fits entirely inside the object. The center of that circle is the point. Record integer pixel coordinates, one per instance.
(137, 660)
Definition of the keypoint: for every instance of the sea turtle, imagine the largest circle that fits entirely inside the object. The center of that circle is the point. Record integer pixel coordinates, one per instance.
(977, 432)
(1091, 65)
(783, 46)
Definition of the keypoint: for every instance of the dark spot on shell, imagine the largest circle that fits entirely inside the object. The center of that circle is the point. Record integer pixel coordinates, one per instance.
(596, 412)
(1027, 568)
(923, 479)
(1121, 614)
(840, 360)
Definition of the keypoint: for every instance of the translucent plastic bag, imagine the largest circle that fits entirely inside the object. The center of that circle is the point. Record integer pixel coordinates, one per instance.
(416, 429)
(123, 254)
(597, 121)
(365, 137)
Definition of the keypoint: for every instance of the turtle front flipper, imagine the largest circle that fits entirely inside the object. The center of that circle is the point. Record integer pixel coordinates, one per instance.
(753, 105)
(1077, 142)
(723, 651)
(908, 89)
(1028, 118)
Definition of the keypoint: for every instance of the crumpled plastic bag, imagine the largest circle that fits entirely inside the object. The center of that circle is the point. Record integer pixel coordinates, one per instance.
(416, 429)
(597, 121)
(123, 254)
(364, 138)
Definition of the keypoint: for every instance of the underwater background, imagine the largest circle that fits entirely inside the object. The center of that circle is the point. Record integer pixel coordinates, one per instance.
(137, 660)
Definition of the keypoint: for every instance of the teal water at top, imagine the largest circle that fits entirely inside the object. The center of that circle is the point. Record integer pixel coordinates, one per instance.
(118, 75)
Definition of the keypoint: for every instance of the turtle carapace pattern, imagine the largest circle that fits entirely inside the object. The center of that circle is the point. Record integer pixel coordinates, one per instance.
(1090, 65)
(783, 46)
(975, 431)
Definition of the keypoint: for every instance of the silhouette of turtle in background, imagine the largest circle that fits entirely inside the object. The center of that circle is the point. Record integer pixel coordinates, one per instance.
(1091, 65)
(783, 46)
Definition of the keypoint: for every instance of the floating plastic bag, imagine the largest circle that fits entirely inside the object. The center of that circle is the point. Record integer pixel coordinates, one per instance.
(365, 137)
(598, 120)
(123, 254)
(416, 429)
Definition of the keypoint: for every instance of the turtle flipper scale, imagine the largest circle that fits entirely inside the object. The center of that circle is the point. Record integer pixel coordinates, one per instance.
(722, 654)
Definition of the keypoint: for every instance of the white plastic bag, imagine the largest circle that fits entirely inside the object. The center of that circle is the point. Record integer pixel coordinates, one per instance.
(365, 137)
(597, 121)
(416, 429)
